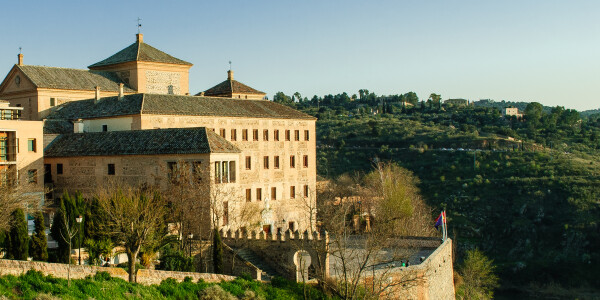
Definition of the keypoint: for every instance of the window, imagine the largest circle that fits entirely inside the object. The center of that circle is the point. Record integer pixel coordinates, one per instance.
(292, 192)
(297, 135)
(32, 176)
(222, 132)
(276, 162)
(255, 134)
(265, 135)
(273, 193)
(305, 161)
(292, 161)
(306, 191)
(258, 194)
(18, 148)
(266, 162)
(244, 134)
(248, 163)
(233, 135)
(31, 145)
(287, 135)
(306, 132)
(104, 128)
(225, 213)
(111, 169)
(59, 169)
(276, 135)
(292, 226)
(219, 172)
(248, 195)
(52, 102)
(232, 171)
(225, 172)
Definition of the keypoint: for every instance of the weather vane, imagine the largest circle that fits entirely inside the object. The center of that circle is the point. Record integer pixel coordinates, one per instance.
(139, 25)
(229, 65)
(20, 50)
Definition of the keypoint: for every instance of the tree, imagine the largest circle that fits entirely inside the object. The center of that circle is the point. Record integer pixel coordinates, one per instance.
(217, 252)
(14, 195)
(134, 218)
(70, 207)
(39, 244)
(478, 278)
(389, 195)
(533, 114)
(18, 237)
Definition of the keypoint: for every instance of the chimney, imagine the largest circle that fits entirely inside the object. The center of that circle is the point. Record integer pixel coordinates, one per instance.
(97, 97)
(121, 91)
(139, 37)
(230, 75)
(20, 61)
(78, 126)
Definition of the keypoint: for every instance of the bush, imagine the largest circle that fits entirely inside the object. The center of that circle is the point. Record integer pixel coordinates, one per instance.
(215, 292)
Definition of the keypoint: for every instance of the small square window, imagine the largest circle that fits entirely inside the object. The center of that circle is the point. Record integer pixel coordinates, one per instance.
(265, 135)
(52, 102)
(248, 163)
(258, 194)
(306, 135)
(273, 193)
(266, 162)
(104, 128)
(31, 145)
(292, 161)
(306, 191)
(287, 135)
(276, 135)
(255, 134)
(244, 134)
(297, 135)
(292, 192)
(222, 132)
(111, 169)
(32, 176)
(248, 195)
(59, 169)
(305, 161)
(233, 134)
(276, 162)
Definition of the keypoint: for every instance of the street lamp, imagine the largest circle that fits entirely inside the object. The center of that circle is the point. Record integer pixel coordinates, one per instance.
(190, 236)
(79, 219)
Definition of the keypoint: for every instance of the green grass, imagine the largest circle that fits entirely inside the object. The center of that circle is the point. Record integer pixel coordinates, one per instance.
(33, 285)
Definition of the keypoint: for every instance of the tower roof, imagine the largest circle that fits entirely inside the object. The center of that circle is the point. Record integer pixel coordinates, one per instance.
(229, 87)
(140, 51)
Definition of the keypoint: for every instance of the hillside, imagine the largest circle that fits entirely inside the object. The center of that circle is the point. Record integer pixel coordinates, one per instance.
(525, 192)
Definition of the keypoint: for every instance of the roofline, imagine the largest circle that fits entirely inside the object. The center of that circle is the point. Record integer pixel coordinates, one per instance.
(99, 68)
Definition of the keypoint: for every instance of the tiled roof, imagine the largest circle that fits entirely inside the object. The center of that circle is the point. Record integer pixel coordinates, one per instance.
(156, 104)
(229, 87)
(140, 52)
(57, 126)
(197, 140)
(72, 79)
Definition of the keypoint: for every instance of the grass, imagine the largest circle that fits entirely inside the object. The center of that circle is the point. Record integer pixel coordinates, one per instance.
(34, 285)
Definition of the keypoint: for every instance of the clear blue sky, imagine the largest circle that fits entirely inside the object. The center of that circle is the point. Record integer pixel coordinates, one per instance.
(546, 51)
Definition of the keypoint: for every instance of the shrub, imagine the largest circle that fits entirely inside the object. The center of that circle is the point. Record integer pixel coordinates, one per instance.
(215, 292)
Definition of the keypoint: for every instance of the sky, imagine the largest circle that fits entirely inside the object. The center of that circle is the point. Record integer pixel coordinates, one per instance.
(544, 51)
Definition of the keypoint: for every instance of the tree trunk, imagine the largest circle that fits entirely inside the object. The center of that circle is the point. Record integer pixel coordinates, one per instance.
(132, 257)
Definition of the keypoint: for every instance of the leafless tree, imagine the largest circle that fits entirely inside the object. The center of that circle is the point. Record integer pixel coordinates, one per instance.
(16, 194)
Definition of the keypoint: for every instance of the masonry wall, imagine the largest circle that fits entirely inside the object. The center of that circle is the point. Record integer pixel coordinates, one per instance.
(147, 277)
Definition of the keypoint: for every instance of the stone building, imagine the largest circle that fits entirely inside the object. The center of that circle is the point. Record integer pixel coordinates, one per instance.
(146, 91)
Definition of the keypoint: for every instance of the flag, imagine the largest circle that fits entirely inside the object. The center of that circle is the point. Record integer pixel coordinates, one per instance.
(441, 219)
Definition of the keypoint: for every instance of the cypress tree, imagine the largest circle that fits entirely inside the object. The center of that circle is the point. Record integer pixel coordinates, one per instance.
(39, 245)
(19, 239)
(217, 252)
(57, 231)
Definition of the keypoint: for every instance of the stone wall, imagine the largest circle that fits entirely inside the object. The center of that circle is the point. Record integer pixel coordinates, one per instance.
(17, 267)
(235, 265)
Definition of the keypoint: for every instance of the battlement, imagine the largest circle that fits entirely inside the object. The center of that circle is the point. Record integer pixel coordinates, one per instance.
(260, 235)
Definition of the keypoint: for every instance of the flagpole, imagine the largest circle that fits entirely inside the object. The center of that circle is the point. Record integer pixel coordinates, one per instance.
(445, 227)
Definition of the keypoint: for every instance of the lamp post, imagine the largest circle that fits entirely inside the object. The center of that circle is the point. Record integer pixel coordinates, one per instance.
(79, 219)
(190, 236)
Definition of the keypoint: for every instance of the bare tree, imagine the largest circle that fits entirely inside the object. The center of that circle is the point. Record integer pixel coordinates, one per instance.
(15, 194)
(389, 199)
(134, 217)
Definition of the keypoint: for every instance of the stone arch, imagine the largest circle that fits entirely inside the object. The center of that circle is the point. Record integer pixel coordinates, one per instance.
(302, 260)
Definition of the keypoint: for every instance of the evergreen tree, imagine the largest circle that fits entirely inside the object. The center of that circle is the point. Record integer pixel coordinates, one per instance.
(19, 239)
(217, 252)
(39, 245)
(72, 207)
(57, 231)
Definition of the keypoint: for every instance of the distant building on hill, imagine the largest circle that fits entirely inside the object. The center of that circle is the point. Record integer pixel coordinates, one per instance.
(456, 102)
(512, 111)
